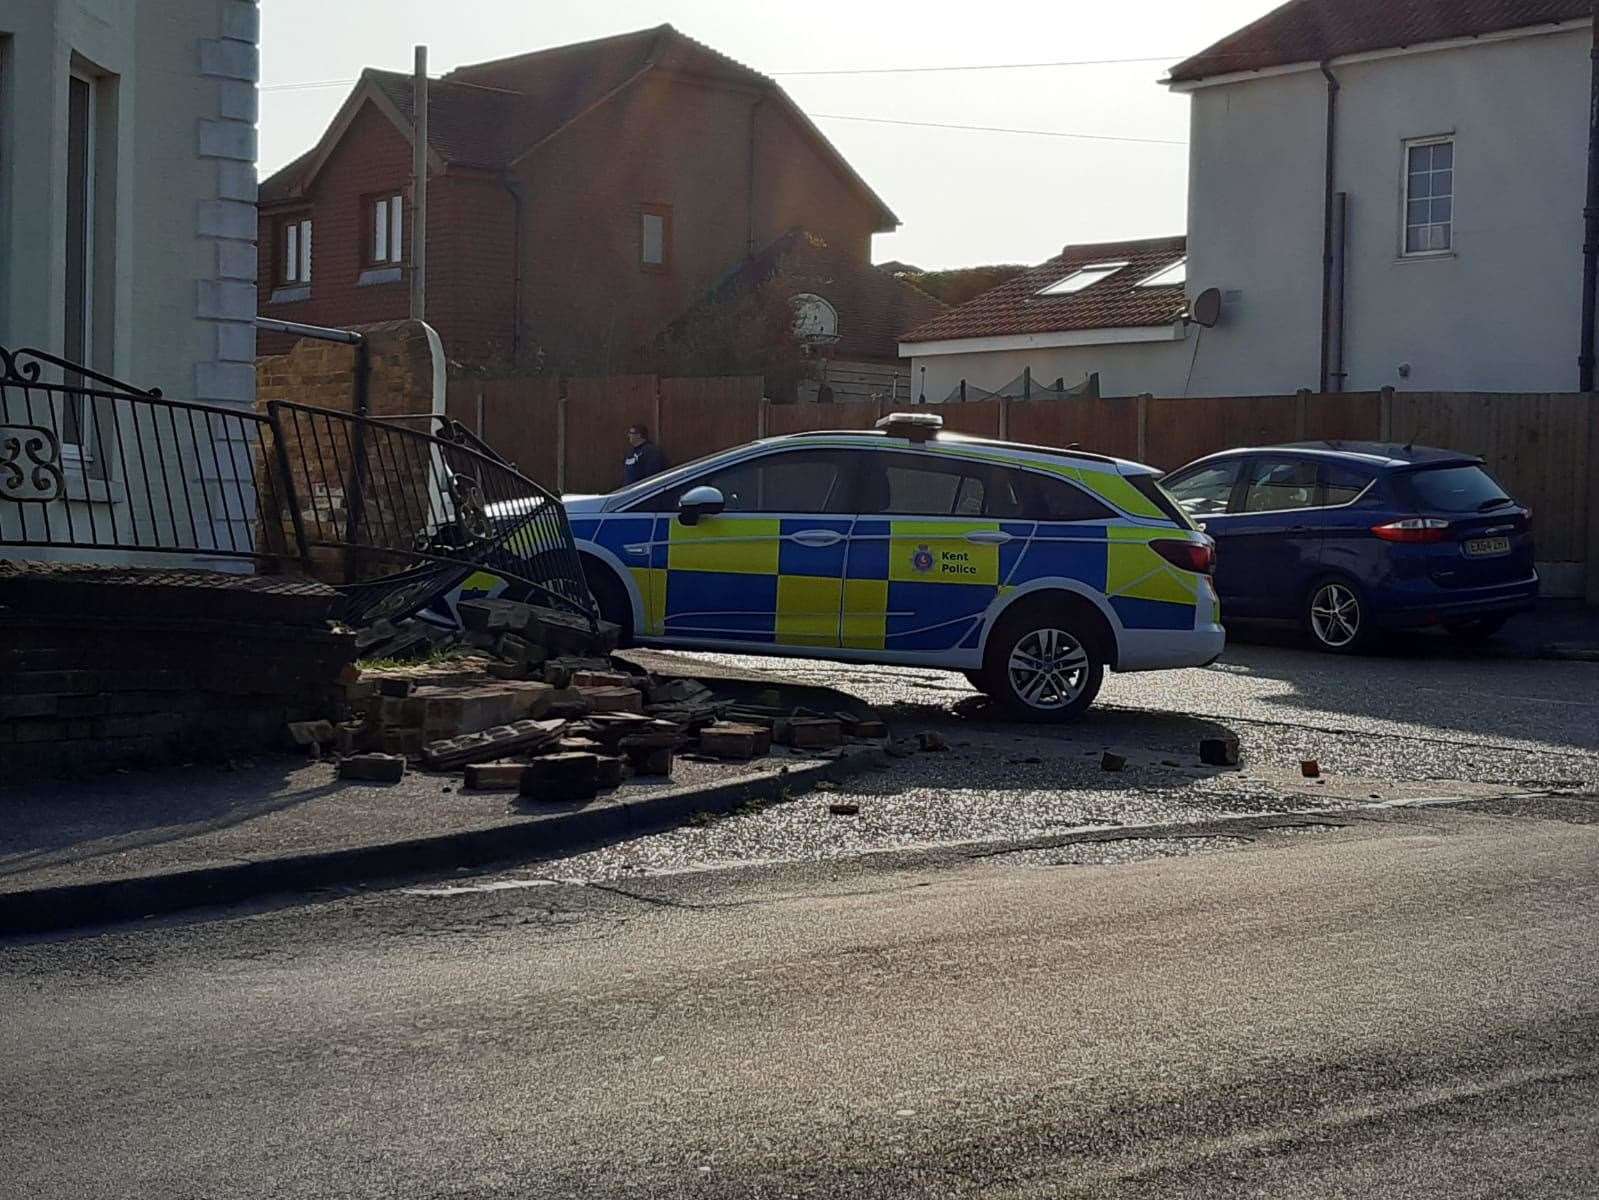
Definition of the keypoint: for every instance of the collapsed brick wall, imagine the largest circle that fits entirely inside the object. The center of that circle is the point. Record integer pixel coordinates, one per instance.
(87, 693)
(399, 365)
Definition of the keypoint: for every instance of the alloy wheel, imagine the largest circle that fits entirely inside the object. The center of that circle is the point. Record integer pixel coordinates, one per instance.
(1335, 616)
(1048, 669)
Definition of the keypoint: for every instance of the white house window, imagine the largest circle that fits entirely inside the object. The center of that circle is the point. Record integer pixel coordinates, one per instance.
(1170, 276)
(1430, 196)
(388, 231)
(295, 253)
(655, 237)
(1083, 277)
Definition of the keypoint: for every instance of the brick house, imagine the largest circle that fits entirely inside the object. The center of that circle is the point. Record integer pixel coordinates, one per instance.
(865, 309)
(579, 199)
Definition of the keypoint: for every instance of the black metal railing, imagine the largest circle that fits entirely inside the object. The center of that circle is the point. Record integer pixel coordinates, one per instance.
(431, 505)
(394, 516)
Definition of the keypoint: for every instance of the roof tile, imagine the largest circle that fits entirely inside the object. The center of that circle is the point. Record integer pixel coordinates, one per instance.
(1318, 30)
(1112, 303)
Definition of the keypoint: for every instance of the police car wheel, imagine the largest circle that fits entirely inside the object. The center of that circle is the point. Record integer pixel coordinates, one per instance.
(611, 597)
(1041, 668)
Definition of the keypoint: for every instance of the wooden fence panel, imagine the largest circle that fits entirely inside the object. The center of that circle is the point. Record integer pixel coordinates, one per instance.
(1098, 425)
(979, 418)
(1179, 431)
(598, 413)
(1535, 445)
(1347, 416)
(803, 418)
(700, 416)
(517, 416)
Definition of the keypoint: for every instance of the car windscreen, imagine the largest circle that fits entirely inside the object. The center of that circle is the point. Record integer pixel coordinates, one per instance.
(1460, 489)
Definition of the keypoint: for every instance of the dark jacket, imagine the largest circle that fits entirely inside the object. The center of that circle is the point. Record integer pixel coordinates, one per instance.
(642, 461)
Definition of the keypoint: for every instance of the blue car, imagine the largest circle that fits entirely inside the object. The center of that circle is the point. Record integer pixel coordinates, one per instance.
(1350, 539)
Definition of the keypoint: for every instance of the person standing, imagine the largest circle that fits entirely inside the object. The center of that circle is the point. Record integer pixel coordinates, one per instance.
(645, 457)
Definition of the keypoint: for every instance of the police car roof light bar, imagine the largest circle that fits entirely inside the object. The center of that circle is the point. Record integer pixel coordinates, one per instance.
(917, 427)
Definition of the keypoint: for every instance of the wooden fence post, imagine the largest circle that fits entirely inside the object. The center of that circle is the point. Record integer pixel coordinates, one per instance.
(1302, 414)
(1385, 427)
(762, 417)
(1143, 425)
(1004, 418)
(560, 445)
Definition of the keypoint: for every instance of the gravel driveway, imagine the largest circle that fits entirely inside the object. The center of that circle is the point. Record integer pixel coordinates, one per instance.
(1383, 730)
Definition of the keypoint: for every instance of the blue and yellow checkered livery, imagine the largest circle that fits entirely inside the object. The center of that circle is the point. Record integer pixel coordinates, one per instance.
(906, 589)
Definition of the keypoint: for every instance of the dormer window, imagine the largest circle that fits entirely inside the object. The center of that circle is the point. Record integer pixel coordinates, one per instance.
(1083, 277)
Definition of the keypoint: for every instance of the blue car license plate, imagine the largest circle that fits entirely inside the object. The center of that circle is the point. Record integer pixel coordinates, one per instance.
(1487, 547)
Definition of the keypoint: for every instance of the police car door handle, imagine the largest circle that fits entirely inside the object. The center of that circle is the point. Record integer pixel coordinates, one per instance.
(638, 550)
(818, 537)
(993, 537)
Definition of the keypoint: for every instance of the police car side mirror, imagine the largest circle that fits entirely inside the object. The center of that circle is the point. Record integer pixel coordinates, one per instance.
(699, 502)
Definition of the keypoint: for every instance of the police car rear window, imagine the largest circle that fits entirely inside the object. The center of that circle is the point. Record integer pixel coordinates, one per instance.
(1056, 500)
(1157, 495)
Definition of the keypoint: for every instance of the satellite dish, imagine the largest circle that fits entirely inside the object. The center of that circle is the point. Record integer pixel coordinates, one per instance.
(1207, 308)
(815, 320)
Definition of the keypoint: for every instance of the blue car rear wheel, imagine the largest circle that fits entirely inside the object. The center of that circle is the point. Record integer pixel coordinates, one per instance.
(1338, 618)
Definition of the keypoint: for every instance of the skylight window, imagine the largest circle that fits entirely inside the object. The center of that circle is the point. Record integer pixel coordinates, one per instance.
(1083, 277)
(1168, 276)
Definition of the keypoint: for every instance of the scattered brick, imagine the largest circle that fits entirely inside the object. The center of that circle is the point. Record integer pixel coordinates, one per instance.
(613, 699)
(1219, 751)
(373, 768)
(495, 776)
(609, 771)
(1310, 769)
(815, 733)
(729, 740)
(1112, 762)
(561, 778)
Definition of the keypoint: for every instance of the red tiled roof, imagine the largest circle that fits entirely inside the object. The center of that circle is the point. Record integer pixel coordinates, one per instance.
(490, 114)
(1318, 30)
(873, 306)
(1115, 302)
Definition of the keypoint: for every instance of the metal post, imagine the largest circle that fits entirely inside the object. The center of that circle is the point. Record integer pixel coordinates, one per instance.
(419, 186)
(1590, 216)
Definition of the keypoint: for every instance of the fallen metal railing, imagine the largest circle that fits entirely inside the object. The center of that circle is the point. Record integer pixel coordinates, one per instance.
(392, 516)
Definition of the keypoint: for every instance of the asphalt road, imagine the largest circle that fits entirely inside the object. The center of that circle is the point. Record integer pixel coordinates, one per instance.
(1394, 1003)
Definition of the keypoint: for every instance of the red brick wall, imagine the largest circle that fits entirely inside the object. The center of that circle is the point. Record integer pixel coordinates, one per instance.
(373, 157)
(471, 283)
(796, 186)
(586, 302)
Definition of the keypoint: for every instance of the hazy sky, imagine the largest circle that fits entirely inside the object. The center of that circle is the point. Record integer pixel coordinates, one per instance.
(962, 197)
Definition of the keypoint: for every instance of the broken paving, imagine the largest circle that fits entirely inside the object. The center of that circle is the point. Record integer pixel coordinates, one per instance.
(532, 702)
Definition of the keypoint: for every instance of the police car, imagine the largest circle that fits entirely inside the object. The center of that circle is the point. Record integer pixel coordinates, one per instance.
(1032, 570)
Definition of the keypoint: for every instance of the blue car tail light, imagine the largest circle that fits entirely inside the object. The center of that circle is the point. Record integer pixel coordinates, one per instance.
(1413, 530)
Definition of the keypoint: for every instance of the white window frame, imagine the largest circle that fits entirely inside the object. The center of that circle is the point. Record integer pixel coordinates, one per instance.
(1158, 278)
(1100, 271)
(1409, 144)
(296, 250)
(75, 452)
(387, 214)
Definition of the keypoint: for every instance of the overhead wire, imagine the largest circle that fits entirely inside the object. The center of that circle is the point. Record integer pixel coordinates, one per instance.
(1055, 133)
